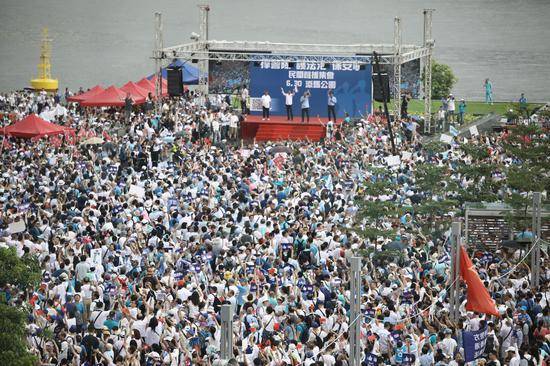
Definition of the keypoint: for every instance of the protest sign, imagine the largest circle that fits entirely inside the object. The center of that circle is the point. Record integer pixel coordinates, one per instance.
(17, 227)
(474, 131)
(136, 191)
(474, 344)
(393, 160)
(446, 138)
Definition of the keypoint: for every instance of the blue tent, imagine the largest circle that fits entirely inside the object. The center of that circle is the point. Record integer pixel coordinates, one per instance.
(190, 73)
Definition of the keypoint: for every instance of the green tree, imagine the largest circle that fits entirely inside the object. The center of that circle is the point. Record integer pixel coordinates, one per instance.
(372, 214)
(528, 146)
(483, 188)
(13, 348)
(443, 80)
(22, 273)
(435, 181)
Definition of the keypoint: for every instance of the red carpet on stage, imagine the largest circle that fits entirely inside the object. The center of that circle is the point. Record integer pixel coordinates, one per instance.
(278, 128)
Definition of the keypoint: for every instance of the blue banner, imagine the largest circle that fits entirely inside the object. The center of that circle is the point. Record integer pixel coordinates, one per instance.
(371, 359)
(474, 344)
(350, 82)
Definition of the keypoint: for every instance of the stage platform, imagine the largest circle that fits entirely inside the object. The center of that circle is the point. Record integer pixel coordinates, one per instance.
(278, 128)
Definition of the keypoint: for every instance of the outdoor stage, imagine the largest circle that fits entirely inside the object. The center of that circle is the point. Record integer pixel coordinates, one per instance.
(278, 128)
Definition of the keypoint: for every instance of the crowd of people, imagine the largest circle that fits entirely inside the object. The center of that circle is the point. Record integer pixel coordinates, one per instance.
(141, 240)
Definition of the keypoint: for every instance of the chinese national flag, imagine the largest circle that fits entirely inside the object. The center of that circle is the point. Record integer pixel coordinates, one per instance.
(479, 299)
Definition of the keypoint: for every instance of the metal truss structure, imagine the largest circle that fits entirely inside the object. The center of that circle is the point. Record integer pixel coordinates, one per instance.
(397, 67)
(202, 50)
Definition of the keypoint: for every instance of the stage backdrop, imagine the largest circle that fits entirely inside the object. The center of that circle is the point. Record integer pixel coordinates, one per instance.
(351, 83)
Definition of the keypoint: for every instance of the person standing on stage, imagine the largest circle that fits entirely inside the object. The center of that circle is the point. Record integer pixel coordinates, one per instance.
(331, 105)
(266, 105)
(304, 101)
(288, 102)
(244, 99)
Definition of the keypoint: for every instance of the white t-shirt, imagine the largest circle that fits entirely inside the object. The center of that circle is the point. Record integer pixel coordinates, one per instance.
(266, 101)
(98, 317)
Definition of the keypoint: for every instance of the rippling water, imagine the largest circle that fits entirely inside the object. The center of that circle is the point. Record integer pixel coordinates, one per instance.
(110, 42)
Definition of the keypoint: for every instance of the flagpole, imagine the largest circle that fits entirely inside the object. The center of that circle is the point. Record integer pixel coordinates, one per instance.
(455, 270)
(3, 141)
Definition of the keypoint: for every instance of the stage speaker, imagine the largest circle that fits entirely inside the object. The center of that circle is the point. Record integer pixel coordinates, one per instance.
(291, 65)
(175, 83)
(257, 63)
(377, 88)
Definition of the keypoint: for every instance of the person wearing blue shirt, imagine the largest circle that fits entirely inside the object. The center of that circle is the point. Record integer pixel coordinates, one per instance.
(304, 101)
(461, 111)
(523, 105)
(488, 91)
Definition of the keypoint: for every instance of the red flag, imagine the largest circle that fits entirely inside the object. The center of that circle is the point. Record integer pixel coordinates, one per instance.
(70, 137)
(479, 299)
(106, 136)
(55, 141)
(6, 144)
(279, 161)
(82, 134)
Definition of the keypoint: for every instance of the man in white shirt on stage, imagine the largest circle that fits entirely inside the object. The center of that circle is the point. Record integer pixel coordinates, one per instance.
(288, 102)
(266, 105)
(244, 100)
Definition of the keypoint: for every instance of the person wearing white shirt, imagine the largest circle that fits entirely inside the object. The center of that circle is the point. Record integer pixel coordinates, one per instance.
(233, 126)
(266, 105)
(304, 101)
(244, 98)
(288, 102)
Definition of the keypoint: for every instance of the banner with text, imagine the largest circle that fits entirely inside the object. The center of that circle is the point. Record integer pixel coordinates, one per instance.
(350, 82)
(474, 344)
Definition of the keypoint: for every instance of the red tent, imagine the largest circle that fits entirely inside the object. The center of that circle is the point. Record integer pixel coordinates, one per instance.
(80, 97)
(147, 85)
(164, 84)
(135, 90)
(32, 126)
(110, 97)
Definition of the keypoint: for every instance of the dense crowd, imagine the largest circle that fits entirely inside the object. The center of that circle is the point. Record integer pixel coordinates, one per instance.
(142, 239)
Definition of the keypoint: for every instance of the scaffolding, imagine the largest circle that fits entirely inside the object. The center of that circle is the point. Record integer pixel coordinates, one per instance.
(202, 50)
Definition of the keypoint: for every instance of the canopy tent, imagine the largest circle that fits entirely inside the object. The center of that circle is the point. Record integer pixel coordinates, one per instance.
(164, 88)
(150, 86)
(80, 97)
(110, 97)
(135, 90)
(189, 75)
(147, 85)
(32, 126)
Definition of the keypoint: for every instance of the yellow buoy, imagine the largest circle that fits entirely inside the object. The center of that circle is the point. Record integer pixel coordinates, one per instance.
(44, 80)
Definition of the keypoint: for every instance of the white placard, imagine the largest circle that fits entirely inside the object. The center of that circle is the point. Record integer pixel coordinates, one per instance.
(136, 191)
(95, 255)
(474, 131)
(393, 160)
(405, 155)
(371, 151)
(446, 138)
(245, 153)
(17, 227)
